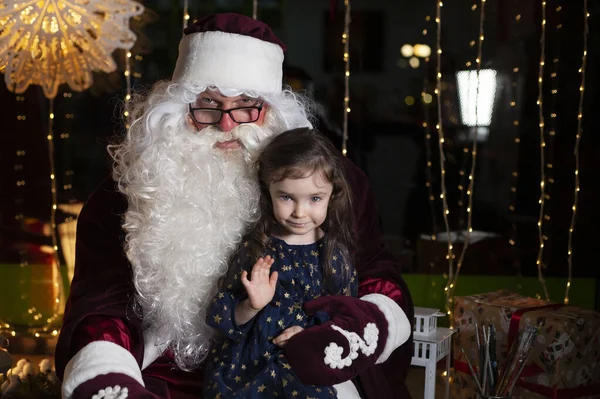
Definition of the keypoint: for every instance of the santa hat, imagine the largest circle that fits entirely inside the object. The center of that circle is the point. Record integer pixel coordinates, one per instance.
(230, 51)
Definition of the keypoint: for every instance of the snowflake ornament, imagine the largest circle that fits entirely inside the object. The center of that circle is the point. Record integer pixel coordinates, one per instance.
(51, 42)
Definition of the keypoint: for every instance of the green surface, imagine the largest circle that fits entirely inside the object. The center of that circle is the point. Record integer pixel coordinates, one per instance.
(428, 290)
(30, 287)
(28, 294)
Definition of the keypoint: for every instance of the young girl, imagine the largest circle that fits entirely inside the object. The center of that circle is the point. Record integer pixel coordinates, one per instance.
(302, 242)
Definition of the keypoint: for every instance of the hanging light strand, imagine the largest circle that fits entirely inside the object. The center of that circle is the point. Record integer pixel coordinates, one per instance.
(186, 13)
(346, 104)
(582, 70)
(131, 72)
(57, 285)
(440, 129)
(254, 9)
(550, 127)
(512, 241)
(65, 135)
(471, 186)
(542, 199)
(515, 173)
(20, 183)
(127, 73)
(20, 164)
(137, 58)
(428, 163)
(465, 156)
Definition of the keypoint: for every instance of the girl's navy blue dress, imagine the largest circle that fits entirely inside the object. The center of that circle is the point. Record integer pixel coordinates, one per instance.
(246, 363)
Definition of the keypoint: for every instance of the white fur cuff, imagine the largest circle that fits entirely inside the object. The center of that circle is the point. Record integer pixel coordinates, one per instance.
(97, 358)
(399, 328)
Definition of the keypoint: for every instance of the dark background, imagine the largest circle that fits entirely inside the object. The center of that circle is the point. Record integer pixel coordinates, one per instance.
(386, 134)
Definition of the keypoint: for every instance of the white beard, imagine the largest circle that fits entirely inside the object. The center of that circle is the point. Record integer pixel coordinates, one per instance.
(189, 206)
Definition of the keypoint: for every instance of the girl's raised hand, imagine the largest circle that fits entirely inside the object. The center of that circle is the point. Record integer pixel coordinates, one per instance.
(261, 286)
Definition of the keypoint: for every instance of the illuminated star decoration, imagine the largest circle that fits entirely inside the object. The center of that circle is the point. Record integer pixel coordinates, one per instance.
(51, 42)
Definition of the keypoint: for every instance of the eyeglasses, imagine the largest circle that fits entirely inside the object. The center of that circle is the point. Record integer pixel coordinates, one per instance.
(211, 116)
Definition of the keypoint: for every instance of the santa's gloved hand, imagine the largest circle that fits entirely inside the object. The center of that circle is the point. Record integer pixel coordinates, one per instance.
(360, 333)
(112, 386)
(105, 370)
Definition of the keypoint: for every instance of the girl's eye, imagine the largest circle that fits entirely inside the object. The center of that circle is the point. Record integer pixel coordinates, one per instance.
(315, 199)
(284, 197)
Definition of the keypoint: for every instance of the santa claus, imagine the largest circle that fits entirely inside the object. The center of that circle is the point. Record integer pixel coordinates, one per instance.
(153, 241)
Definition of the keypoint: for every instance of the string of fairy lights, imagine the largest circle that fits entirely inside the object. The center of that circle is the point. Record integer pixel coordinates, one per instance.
(550, 127)
(470, 190)
(552, 123)
(65, 136)
(255, 9)
(127, 99)
(20, 181)
(130, 70)
(54, 230)
(542, 199)
(514, 176)
(440, 129)
(346, 104)
(428, 158)
(462, 184)
(19, 168)
(582, 71)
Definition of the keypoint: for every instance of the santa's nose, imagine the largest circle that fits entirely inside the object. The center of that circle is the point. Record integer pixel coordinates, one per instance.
(226, 124)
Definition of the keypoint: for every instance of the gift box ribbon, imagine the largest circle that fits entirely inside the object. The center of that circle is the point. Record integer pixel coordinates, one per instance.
(533, 369)
(515, 319)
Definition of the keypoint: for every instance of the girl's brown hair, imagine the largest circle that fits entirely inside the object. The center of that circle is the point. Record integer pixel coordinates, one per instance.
(297, 154)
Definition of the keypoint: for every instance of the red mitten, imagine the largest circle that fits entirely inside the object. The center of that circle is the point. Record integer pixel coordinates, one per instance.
(355, 338)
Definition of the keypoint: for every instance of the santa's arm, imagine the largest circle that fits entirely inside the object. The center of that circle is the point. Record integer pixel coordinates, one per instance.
(100, 347)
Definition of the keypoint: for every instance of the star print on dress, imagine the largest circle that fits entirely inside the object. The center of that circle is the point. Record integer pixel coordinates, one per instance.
(251, 366)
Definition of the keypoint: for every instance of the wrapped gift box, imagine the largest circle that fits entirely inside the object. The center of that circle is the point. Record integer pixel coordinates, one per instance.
(564, 361)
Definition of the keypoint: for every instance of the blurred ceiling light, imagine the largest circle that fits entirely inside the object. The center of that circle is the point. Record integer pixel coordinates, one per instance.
(414, 62)
(422, 50)
(476, 106)
(51, 42)
(427, 98)
(407, 50)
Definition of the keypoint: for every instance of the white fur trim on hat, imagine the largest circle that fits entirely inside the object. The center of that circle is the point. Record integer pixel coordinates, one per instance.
(97, 358)
(399, 328)
(229, 60)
